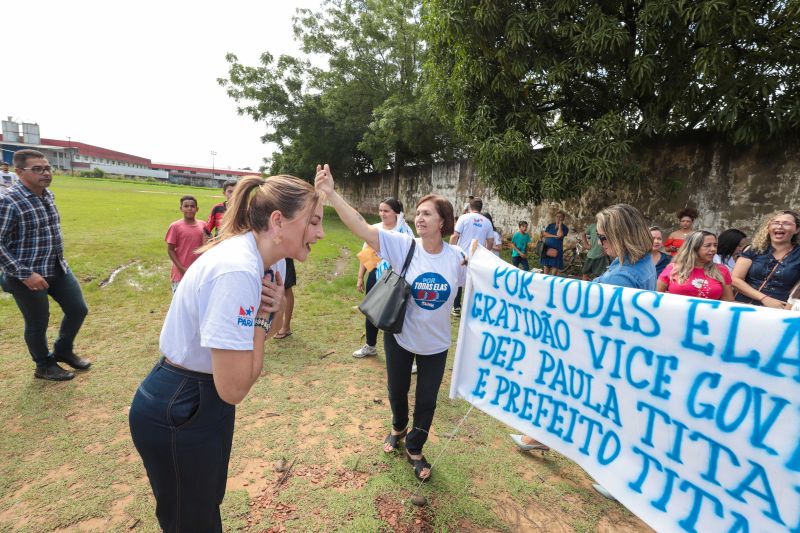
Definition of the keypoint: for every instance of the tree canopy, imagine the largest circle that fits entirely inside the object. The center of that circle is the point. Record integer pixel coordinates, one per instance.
(364, 110)
(549, 96)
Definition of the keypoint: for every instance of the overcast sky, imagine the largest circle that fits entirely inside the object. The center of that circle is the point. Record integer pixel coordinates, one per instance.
(140, 77)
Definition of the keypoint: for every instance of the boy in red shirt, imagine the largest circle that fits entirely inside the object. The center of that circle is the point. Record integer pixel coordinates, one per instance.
(183, 238)
(218, 211)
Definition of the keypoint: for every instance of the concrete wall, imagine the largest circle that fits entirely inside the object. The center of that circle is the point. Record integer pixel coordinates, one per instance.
(732, 187)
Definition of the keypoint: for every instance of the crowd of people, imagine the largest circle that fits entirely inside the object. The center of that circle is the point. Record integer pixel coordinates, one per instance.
(231, 281)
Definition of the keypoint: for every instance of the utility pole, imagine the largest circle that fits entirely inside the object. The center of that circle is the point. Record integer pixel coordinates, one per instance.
(213, 154)
(69, 150)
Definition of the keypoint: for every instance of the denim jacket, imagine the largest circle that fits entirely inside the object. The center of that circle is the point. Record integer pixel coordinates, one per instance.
(639, 275)
(786, 275)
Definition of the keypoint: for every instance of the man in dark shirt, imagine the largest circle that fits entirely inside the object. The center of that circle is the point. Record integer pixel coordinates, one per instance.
(32, 266)
(214, 223)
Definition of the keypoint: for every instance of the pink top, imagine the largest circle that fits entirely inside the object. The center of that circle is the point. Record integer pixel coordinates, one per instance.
(187, 238)
(698, 285)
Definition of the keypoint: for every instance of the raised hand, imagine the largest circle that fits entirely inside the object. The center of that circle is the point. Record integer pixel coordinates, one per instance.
(323, 181)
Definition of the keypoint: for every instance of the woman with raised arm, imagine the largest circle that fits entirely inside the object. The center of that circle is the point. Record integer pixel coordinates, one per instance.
(212, 347)
(392, 219)
(694, 273)
(768, 269)
(436, 270)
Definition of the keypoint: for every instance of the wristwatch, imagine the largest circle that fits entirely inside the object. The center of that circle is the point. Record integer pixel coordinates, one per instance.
(263, 323)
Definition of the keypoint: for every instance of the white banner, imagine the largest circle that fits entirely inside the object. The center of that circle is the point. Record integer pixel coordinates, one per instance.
(686, 410)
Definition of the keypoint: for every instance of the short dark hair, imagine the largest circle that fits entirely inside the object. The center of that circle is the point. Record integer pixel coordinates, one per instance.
(488, 216)
(690, 212)
(522, 223)
(189, 197)
(21, 157)
(394, 203)
(476, 204)
(445, 210)
(229, 183)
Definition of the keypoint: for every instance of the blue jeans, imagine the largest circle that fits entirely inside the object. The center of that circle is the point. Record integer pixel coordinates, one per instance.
(35, 308)
(520, 262)
(183, 431)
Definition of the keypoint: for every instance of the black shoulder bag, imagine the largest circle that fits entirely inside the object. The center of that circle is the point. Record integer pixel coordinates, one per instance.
(385, 304)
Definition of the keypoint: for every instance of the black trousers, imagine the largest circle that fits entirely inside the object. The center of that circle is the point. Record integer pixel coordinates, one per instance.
(35, 308)
(183, 430)
(459, 295)
(372, 331)
(430, 370)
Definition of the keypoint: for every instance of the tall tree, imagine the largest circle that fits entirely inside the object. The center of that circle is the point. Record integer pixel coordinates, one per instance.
(549, 96)
(364, 110)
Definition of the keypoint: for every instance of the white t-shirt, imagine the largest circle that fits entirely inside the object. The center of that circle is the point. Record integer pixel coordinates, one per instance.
(400, 227)
(434, 280)
(498, 241)
(473, 226)
(7, 179)
(730, 263)
(215, 304)
(280, 267)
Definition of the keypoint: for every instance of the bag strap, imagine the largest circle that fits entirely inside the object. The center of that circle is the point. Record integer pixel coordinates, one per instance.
(408, 257)
(770, 275)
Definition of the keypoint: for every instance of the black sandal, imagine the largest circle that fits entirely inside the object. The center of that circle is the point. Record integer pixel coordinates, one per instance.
(394, 441)
(420, 465)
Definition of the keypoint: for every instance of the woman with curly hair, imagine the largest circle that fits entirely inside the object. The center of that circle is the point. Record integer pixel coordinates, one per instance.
(686, 218)
(766, 272)
(694, 273)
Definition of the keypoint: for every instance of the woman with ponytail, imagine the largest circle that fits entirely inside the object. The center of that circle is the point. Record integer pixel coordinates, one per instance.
(212, 347)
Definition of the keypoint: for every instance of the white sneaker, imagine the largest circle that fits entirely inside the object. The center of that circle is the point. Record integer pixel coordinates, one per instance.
(365, 351)
(456, 311)
(414, 368)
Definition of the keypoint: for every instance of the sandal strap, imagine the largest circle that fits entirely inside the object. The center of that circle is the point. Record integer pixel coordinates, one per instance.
(394, 440)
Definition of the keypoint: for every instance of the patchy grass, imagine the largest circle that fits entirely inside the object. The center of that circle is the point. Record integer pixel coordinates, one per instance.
(69, 464)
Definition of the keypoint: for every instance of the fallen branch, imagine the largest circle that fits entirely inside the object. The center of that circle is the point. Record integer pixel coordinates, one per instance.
(285, 474)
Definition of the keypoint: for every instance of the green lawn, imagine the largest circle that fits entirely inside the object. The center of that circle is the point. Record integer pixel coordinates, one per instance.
(68, 462)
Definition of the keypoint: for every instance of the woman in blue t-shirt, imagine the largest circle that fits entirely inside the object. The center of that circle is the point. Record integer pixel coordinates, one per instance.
(436, 270)
(766, 272)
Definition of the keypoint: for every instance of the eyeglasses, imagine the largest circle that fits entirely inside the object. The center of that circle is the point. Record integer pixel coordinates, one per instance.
(39, 170)
(601, 237)
(781, 224)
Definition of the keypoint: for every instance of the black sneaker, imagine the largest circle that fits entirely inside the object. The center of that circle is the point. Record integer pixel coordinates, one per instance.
(78, 363)
(53, 373)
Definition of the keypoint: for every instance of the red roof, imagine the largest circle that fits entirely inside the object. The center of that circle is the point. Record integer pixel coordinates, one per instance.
(204, 170)
(96, 151)
(104, 153)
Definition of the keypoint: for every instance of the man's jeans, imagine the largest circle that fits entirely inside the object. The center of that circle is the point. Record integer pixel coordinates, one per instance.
(35, 308)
